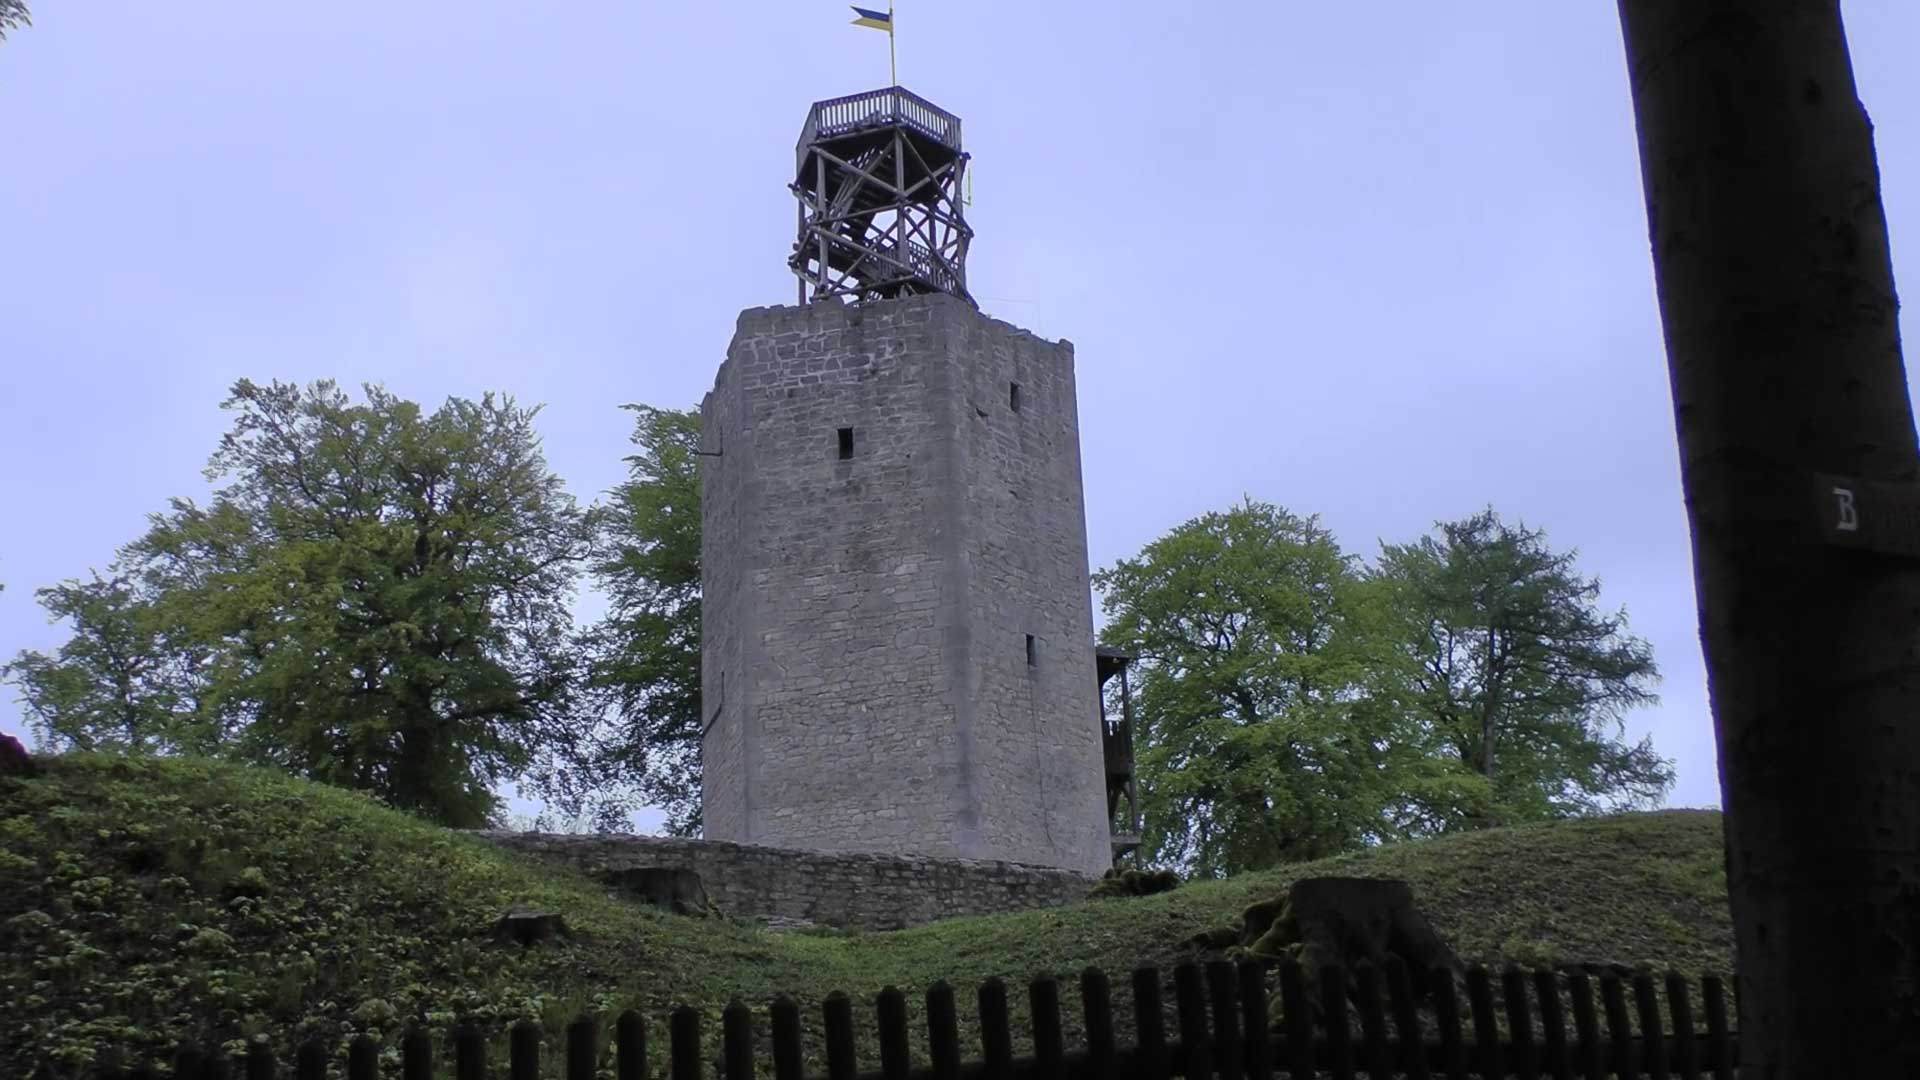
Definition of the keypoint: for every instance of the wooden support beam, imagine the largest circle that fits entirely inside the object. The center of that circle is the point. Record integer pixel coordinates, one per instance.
(879, 220)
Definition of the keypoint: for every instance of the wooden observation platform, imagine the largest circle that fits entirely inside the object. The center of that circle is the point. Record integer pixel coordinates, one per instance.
(878, 176)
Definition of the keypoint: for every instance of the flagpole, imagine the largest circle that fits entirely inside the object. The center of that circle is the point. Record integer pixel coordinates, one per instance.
(893, 65)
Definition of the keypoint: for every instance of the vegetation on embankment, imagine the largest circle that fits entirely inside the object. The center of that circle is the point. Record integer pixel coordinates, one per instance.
(143, 901)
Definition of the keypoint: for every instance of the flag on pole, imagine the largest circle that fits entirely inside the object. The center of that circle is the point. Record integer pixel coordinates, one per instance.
(878, 20)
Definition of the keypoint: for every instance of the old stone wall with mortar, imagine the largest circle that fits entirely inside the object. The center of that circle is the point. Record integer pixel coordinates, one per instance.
(899, 642)
(803, 888)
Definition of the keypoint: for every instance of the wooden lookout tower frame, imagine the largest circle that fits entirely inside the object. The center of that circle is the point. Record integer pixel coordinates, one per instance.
(1123, 794)
(879, 178)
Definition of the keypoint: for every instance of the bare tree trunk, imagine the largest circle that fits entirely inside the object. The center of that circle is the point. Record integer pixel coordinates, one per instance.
(1776, 289)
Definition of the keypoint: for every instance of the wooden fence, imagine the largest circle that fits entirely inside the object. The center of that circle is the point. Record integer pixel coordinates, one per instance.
(1518, 1025)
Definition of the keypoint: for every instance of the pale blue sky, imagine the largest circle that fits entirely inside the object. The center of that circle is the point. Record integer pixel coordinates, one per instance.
(1383, 262)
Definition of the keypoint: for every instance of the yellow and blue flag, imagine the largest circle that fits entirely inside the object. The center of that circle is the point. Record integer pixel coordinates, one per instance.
(878, 20)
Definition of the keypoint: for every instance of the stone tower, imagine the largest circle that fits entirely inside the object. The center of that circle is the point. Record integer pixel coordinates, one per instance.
(897, 625)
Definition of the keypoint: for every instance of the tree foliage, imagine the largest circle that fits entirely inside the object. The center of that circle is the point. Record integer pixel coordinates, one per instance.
(13, 16)
(1519, 674)
(1263, 733)
(1290, 703)
(645, 667)
(120, 683)
(375, 597)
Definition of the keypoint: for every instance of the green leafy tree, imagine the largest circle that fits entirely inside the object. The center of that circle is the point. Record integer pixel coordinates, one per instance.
(645, 667)
(1265, 697)
(119, 683)
(13, 16)
(375, 597)
(1519, 674)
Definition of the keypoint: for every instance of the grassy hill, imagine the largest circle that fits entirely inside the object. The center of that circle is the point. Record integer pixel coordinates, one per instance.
(144, 901)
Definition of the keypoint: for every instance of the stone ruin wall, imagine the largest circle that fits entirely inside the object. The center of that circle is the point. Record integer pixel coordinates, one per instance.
(806, 888)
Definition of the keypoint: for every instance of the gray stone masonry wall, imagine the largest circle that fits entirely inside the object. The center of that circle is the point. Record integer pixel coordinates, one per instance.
(791, 888)
(867, 672)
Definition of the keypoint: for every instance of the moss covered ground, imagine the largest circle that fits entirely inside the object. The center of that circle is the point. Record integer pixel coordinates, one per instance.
(147, 901)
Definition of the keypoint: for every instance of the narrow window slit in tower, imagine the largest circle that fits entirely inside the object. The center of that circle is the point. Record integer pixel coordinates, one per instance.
(846, 443)
(1031, 658)
(1013, 396)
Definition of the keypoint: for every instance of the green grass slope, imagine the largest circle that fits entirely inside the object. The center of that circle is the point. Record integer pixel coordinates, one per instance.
(145, 901)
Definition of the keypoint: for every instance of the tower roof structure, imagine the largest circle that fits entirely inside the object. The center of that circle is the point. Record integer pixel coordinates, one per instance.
(878, 177)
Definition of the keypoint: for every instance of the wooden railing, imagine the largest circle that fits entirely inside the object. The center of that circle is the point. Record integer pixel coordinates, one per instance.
(839, 116)
(919, 263)
(1223, 1030)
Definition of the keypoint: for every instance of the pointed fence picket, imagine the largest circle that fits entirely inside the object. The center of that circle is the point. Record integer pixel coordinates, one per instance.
(1224, 1030)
